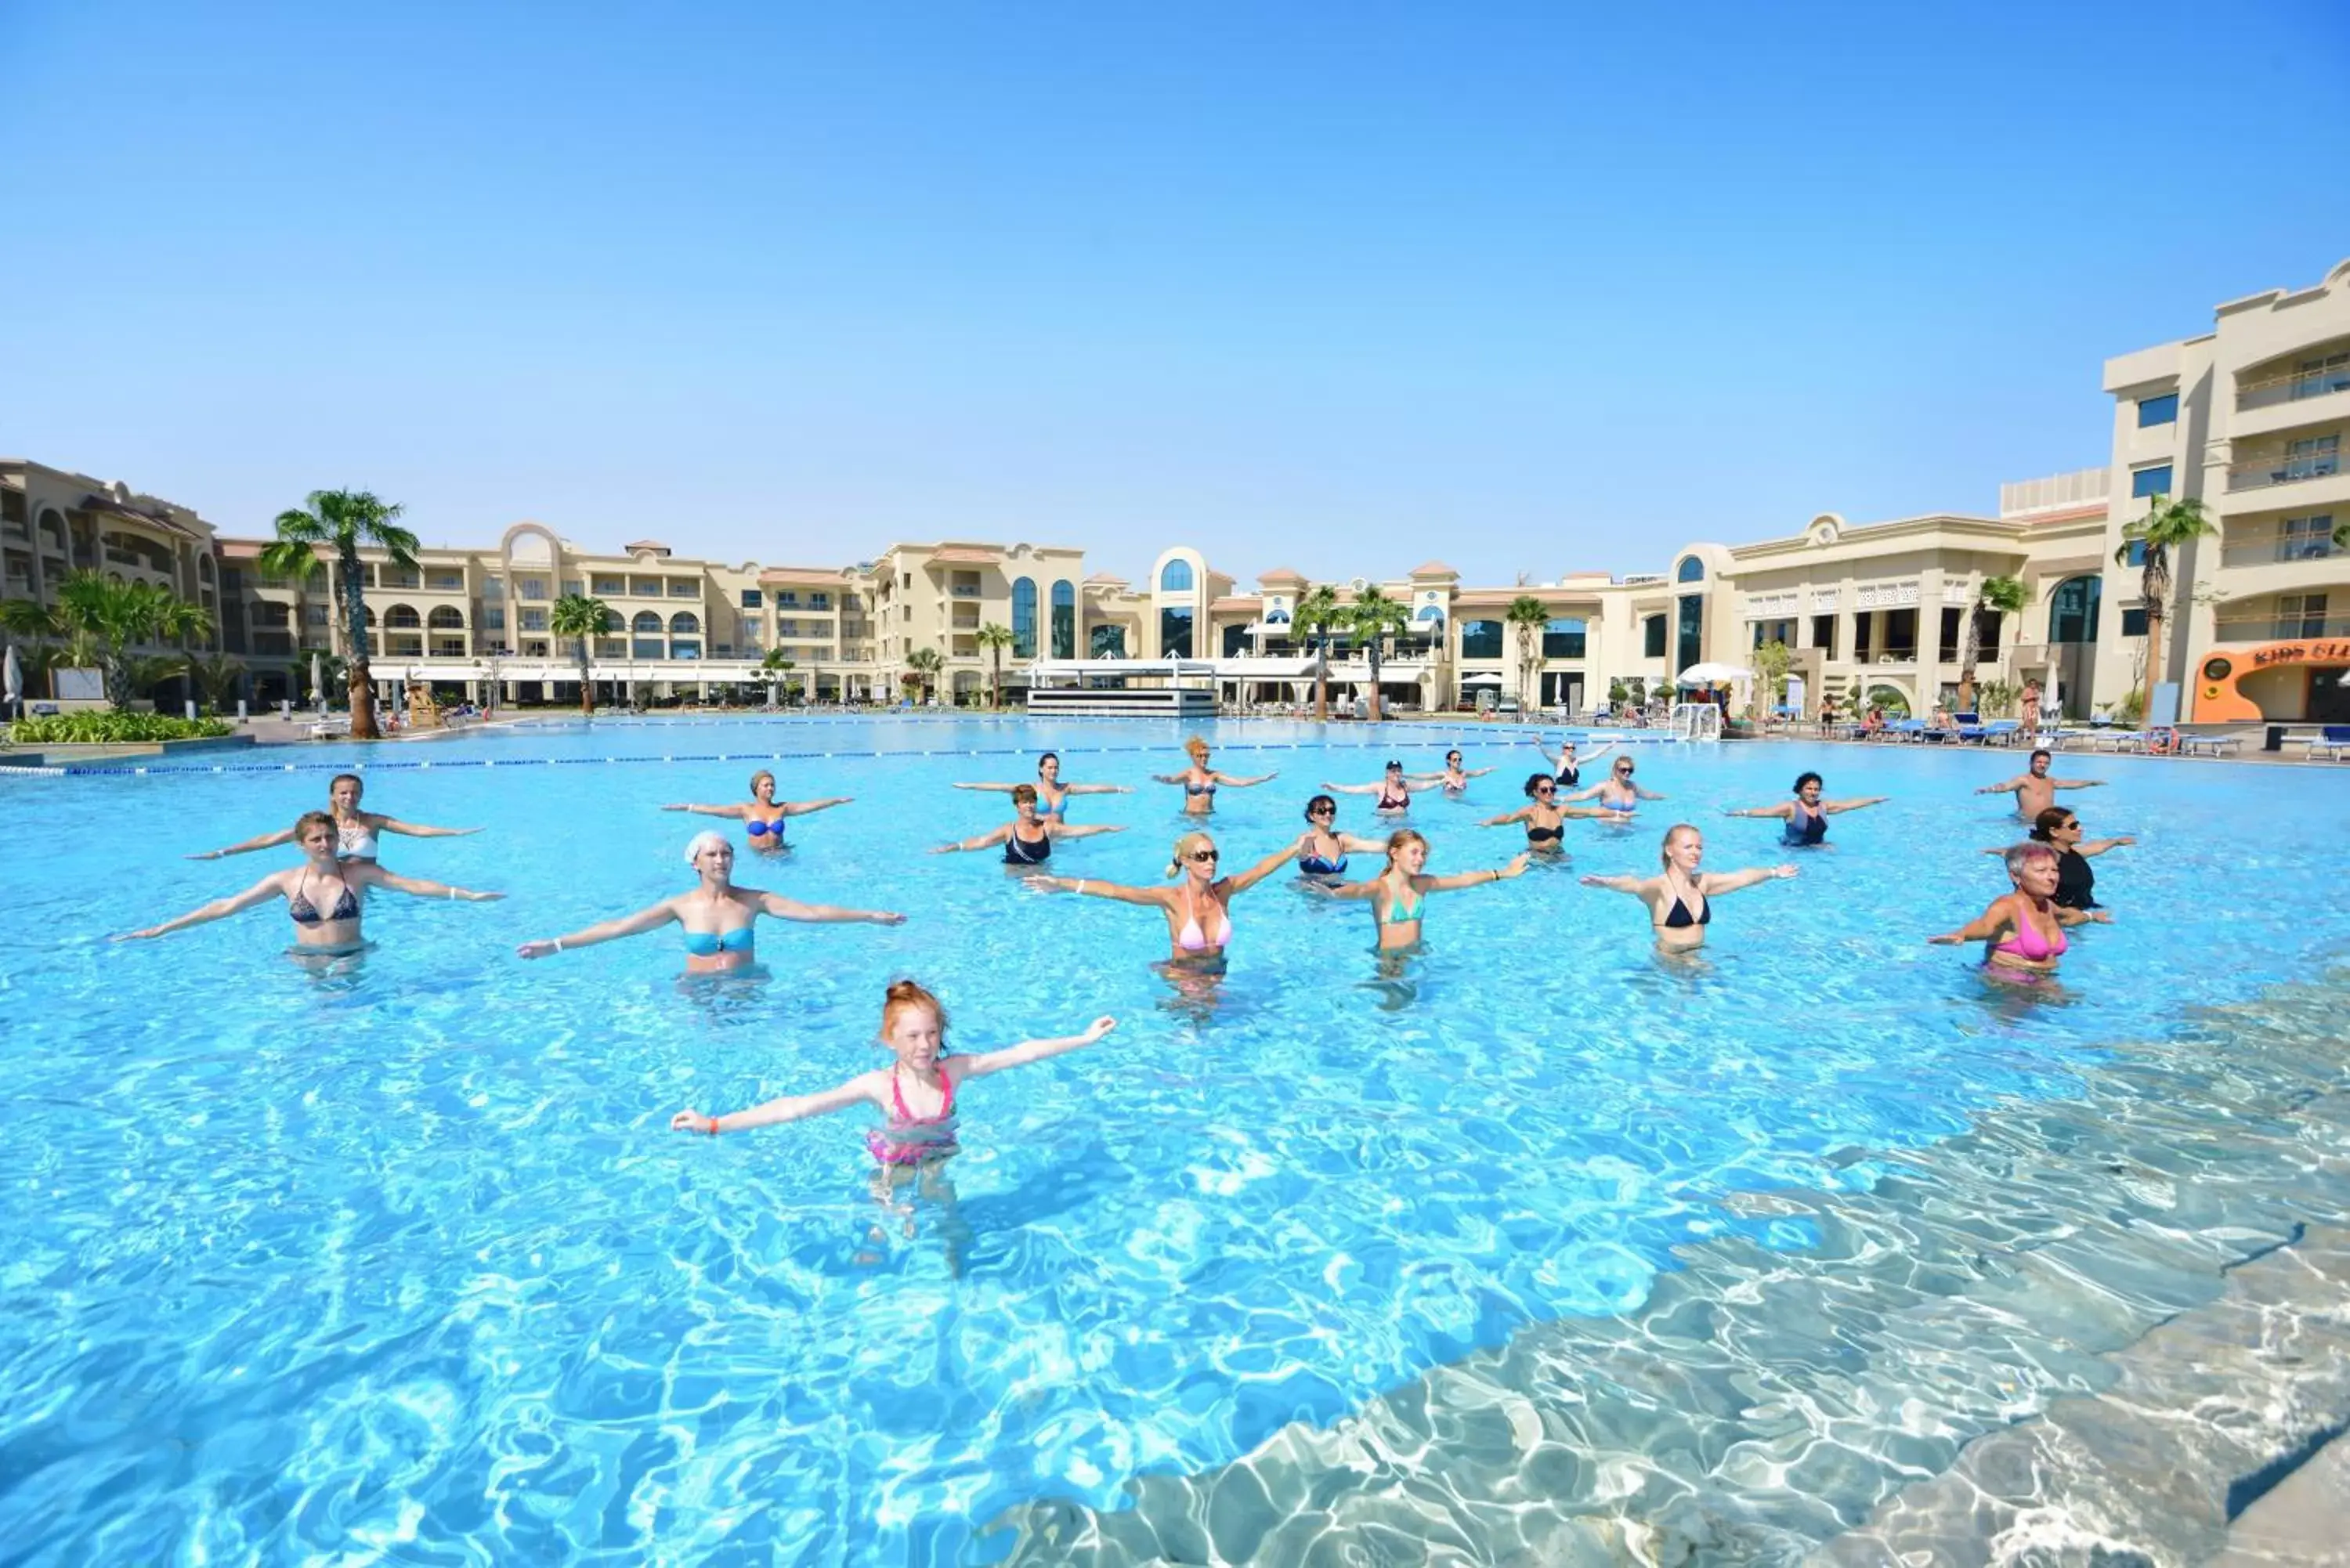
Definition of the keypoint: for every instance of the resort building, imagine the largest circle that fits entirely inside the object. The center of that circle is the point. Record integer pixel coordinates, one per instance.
(2247, 418)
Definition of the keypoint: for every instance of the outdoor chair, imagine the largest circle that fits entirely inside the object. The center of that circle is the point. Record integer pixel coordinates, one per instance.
(2332, 744)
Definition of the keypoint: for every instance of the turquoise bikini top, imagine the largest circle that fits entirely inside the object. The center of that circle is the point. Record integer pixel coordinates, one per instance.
(709, 944)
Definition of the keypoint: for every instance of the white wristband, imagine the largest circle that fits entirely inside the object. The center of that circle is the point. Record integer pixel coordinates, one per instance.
(1081, 885)
(558, 944)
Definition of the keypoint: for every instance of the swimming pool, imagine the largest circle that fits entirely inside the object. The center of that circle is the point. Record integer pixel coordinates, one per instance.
(406, 1258)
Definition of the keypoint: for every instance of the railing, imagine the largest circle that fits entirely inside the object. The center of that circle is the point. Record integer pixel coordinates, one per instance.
(965, 590)
(2280, 468)
(1696, 722)
(2291, 387)
(2280, 627)
(2278, 547)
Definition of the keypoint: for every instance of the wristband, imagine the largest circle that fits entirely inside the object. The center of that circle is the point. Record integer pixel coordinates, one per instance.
(713, 1128)
(558, 944)
(1080, 887)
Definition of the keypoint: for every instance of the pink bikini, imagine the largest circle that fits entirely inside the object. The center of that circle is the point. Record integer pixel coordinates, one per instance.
(1192, 938)
(2028, 944)
(893, 1150)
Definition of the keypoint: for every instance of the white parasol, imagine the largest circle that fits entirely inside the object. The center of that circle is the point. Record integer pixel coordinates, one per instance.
(1715, 675)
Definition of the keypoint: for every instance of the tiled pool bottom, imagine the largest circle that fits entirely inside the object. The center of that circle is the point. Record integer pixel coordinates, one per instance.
(1818, 1403)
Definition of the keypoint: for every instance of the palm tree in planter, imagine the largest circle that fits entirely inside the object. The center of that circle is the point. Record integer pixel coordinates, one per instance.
(1997, 596)
(777, 661)
(106, 618)
(996, 638)
(1527, 616)
(1373, 618)
(925, 664)
(1318, 615)
(215, 677)
(580, 617)
(2168, 525)
(341, 522)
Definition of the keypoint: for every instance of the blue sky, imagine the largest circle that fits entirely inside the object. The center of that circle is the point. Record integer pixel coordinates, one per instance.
(1530, 287)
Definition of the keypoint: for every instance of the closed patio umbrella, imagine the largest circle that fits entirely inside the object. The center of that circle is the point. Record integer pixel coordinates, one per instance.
(319, 682)
(12, 680)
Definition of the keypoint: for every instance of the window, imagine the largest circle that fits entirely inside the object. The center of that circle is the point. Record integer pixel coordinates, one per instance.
(1235, 641)
(1480, 639)
(446, 582)
(614, 587)
(2134, 622)
(685, 649)
(1106, 642)
(494, 618)
(573, 589)
(2314, 457)
(2327, 373)
(1175, 577)
(1563, 639)
(445, 618)
(2136, 552)
(1691, 632)
(2301, 615)
(820, 601)
(533, 621)
(1064, 620)
(1779, 632)
(313, 615)
(1175, 629)
(685, 623)
(787, 597)
(787, 627)
(1947, 650)
(1901, 633)
(2154, 481)
(648, 623)
(1024, 618)
(753, 631)
(646, 648)
(2073, 610)
(2161, 410)
(1652, 636)
(751, 599)
(1692, 570)
(684, 588)
(1863, 632)
(644, 587)
(1824, 634)
(2305, 538)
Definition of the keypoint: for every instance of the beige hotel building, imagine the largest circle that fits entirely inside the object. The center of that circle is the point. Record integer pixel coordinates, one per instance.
(2248, 417)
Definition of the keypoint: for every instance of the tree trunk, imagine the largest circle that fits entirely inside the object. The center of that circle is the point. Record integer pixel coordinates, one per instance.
(1967, 654)
(2154, 588)
(117, 677)
(1374, 681)
(361, 684)
(1322, 678)
(587, 691)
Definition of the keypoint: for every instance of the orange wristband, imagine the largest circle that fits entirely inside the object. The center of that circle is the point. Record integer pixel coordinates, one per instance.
(713, 1128)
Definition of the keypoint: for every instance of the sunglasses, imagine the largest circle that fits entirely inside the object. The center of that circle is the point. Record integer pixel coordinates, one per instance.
(1545, 789)
(1324, 811)
(1204, 857)
(1624, 773)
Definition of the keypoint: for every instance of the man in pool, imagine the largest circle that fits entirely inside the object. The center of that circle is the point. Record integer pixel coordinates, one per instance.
(2035, 791)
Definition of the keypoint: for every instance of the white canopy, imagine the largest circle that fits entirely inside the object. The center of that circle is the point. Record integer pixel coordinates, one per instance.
(1715, 675)
(1481, 678)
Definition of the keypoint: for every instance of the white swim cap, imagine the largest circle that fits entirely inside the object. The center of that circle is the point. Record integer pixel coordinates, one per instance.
(706, 839)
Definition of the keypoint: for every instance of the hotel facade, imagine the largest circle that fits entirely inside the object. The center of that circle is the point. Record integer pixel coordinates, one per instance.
(2249, 419)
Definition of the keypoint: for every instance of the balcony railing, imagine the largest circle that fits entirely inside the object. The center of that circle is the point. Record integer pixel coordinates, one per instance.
(2269, 551)
(965, 591)
(2278, 468)
(2280, 627)
(2292, 386)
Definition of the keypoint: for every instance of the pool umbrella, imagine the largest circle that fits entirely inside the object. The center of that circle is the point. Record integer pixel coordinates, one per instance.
(12, 680)
(1715, 675)
(317, 681)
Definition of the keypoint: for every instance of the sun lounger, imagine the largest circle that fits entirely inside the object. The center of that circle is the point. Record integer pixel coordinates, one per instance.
(2210, 746)
(2332, 744)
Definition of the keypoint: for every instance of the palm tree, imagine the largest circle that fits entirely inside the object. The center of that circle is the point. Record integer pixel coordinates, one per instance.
(925, 663)
(215, 675)
(781, 663)
(580, 617)
(995, 639)
(2168, 525)
(1372, 618)
(1318, 614)
(1527, 617)
(105, 617)
(343, 521)
(1997, 596)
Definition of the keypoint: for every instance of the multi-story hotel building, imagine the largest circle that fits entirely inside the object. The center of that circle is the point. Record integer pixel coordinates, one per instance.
(2249, 419)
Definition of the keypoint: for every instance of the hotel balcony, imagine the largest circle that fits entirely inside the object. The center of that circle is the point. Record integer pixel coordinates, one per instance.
(2264, 545)
(2309, 394)
(2279, 625)
(2313, 468)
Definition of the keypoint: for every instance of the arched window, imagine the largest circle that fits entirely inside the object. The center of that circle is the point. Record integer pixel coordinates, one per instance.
(1692, 571)
(1064, 620)
(1480, 639)
(1176, 578)
(1433, 615)
(648, 623)
(402, 617)
(445, 618)
(685, 623)
(1563, 639)
(1024, 618)
(2073, 610)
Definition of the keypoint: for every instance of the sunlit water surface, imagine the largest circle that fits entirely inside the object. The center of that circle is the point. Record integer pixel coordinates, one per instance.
(406, 1260)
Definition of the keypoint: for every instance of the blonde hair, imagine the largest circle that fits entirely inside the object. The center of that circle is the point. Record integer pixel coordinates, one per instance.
(905, 993)
(1182, 846)
(1401, 836)
(1665, 848)
(762, 773)
(709, 838)
(1195, 748)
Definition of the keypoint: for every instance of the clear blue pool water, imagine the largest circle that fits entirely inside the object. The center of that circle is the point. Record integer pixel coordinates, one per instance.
(405, 1260)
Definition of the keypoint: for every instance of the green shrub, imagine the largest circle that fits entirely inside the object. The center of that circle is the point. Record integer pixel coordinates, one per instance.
(112, 729)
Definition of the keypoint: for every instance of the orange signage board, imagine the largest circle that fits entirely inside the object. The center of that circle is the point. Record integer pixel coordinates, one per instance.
(2217, 701)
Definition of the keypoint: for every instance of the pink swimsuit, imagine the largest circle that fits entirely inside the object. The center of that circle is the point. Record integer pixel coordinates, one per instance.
(2028, 944)
(891, 1150)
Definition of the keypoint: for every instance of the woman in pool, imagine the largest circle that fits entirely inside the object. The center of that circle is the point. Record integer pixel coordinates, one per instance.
(1052, 795)
(1680, 897)
(1569, 767)
(1322, 852)
(1454, 778)
(1392, 795)
(1398, 893)
(1544, 818)
(1028, 838)
(915, 1093)
(1616, 792)
(1198, 907)
(2059, 827)
(1200, 780)
(355, 830)
(717, 915)
(763, 814)
(323, 895)
(1807, 815)
(2023, 932)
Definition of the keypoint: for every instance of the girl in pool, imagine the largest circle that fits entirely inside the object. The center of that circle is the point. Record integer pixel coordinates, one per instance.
(1807, 815)
(355, 830)
(915, 1093)
(1322, 852)
(1052, 795)
(1028, 837)
(1200, 780)
(323, 895)
(763, 814)
(1392, 795)
(717, 915)
(1544, 818)
(1680, 897)
(1617, 791)
(1399, 891)
(2023, 932)
(1570, 767)
(1198, 907)
(1454, 778)
(2059, 827)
